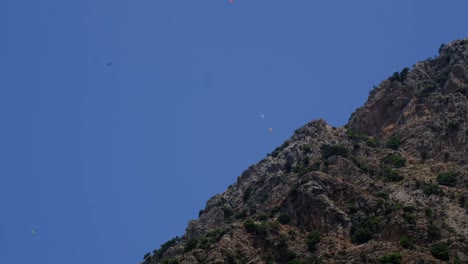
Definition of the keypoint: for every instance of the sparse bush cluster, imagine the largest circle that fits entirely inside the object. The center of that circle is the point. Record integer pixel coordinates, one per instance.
(393, 143)
(204, 242)
(391, 175)
(334, 150)
(429, 188)
(394, 160)
(227, 211)
(391, 258)
(439, 80)
(303, 170)
(440, 251)
(232, 257)
(159, 252)
(276, 152)
(246, 194)
(169, 260)
(400, 76)
(313, 238)
(447, 179)
(428, 89)
(408, 214)
(406, 242)
(363, 231)
(356, 135)
(364, 167)
(434, 232)
(260, 229)
(382, 195)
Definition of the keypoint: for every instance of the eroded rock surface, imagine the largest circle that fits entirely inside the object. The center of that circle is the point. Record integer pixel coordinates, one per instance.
(390, 185)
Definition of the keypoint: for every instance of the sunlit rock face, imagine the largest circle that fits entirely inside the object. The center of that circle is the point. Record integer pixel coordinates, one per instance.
(389, 187)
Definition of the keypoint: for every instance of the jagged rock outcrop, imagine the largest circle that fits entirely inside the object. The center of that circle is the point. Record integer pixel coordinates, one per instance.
(389, 187)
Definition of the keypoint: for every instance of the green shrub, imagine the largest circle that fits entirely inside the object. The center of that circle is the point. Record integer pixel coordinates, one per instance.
(338, 150)
(250, 226)
(393, 143)
(242, 214)
(276, 152)
(210, 238)
(409, 209)
(400, 76)
(191, 244)
(396, 160)
(453, 126)
(440, 251)
(147, 255)
(364, 167)
(391, 175)
(406, 242)
(297, 261)
(227, 211)
(356, 135)
(352, 208)
(313, 238)
(448, 178)
(463, 201)
(232, 257)
(363, 231)
(382, 195)
(433, 232)
(404, 73)
(284, 219)
(441, 47)
(307, 148)
(391, 258)
(428, 89)
(303, 170)
(372, 142)
(169, 260)
(259, 229)
(429, 212)
(165, 246)
(429, 189)
(246, 194)
(395, 77)
(410, 218)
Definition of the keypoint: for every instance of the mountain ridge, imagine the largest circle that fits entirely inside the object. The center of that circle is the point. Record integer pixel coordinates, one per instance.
(390, 186)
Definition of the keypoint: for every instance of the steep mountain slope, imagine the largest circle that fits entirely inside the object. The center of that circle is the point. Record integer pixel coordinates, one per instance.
(389, 187)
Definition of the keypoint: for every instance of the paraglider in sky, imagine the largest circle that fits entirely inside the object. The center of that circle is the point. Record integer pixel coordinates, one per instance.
(270, 129)
(34, 232)
(261, 115)
(231, 1)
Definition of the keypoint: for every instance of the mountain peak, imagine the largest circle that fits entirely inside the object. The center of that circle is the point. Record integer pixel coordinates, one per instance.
(391, 186)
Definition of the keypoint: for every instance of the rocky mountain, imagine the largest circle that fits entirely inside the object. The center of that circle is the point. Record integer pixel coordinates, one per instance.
(391, 186)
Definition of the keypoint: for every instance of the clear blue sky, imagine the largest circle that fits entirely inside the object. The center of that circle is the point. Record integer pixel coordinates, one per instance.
(107, 162)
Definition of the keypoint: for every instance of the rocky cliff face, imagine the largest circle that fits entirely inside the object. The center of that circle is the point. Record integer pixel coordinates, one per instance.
(389, 187)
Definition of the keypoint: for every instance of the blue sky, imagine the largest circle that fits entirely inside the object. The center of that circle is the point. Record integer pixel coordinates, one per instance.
(107, 162)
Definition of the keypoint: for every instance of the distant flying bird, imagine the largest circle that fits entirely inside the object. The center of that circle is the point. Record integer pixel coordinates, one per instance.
(109, 63)
(270, 129)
